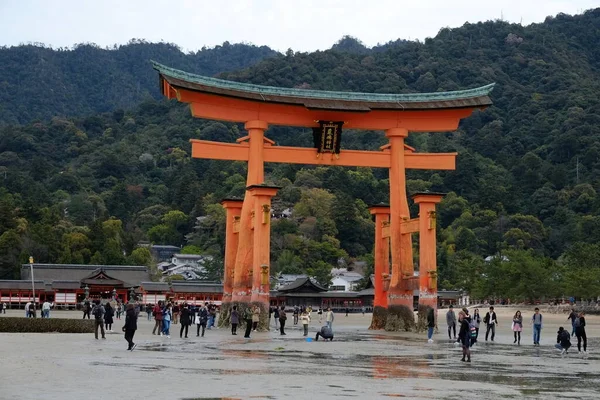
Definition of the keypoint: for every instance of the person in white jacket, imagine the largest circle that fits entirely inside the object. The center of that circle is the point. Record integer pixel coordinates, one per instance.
(329, 317)
(305, 320)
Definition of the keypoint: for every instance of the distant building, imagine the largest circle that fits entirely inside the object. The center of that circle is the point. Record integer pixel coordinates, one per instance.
(162, 253)
(286, 279)
(344, 280)
(190, 266)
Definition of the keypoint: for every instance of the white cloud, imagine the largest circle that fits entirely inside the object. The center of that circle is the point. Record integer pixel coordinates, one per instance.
(302, 25)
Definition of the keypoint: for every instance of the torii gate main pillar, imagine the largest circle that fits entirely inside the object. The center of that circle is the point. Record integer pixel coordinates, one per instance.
(402, 285)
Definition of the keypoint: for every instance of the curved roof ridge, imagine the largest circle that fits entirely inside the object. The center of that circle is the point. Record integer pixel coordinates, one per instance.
(321, 94)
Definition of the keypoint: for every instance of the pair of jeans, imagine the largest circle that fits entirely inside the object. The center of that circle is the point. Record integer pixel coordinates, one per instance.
(99, 323)
(211, 321)
(430, 332)
(248, 328)
(305, 326)
(166, 326)
(255, 325)
(129, 337)
(558, 346)
(149, 316)
(452, 327)
(203, 325)
(157, 325)
(581, 335)
(234, 329)
(281, 326)
(490, 327)
(185, 328)
(537, 330)
(329, 323)
(319, 335)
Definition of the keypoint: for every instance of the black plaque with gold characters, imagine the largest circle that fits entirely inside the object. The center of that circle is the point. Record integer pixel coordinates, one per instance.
(328, 136)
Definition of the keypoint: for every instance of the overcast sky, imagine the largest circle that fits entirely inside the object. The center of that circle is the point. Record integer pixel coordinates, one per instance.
(303, 25)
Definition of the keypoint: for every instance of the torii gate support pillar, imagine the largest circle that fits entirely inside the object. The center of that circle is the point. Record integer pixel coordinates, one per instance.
(428, 294)
(233, 209)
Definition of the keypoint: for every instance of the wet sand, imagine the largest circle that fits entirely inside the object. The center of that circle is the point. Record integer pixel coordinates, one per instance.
(358, 363)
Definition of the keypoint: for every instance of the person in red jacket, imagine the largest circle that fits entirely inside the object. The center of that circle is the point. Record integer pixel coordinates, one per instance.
(158, 317)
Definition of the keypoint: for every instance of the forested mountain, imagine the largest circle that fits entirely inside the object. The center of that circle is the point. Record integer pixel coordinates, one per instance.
(37, 82)
(526, 186)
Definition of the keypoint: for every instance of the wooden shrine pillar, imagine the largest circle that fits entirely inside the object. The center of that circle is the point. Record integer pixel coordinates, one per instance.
(400, 294)
(233, 208)
(381, 279)
(242, 283)
(260, 274)
(427, 248)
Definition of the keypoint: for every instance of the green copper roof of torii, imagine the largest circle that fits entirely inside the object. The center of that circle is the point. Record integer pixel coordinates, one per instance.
(268, 93)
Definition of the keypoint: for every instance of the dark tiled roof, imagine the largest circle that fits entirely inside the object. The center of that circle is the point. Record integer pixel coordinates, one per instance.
(66, 285)
(328, 295)
(130, 275)
(196, 287)
(21, 284)
(303, 282)
(155, 286)
(367, 292)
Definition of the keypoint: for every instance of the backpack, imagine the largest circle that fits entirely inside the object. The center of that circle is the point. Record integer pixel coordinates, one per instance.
(577, 323)
(98, 312)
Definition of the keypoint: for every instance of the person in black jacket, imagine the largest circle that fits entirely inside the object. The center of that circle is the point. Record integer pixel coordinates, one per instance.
(563, 340)
(464, 335)
(202, 319)
(185, 320)
(491, 321)
(580, 332)
(430, 324)
(130, 326)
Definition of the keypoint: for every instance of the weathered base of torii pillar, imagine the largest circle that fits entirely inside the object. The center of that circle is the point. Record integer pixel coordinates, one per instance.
(381, 275)
(428, 294)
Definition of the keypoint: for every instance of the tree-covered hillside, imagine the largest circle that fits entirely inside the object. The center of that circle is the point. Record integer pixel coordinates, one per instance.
(37, 82)
(526, 185)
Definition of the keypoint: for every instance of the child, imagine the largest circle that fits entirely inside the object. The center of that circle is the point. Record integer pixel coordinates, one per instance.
(305, 319)
(563, 340)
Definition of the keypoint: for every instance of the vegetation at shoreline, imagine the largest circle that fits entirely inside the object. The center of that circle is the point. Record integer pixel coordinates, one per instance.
(85, 181)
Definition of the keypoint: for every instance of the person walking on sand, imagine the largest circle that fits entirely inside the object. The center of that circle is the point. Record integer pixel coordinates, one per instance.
(464, 336)
(517, 327)
(158, 318)
(320, 314)
(108, 316)
(451, 321)
(202, 320)
(475, 322)
(536, 320)
(305, 320)
(167, 315)
(572, 316)
(430, 324)
(329, 317)
(255, 317)
(248, 320)
(235, 320)
(98, 313)
(184, 320)
(563, 340)
(580, 332)
(119, 310)
(276, 317)
(490, 320)
(130, 326)
(282, 318)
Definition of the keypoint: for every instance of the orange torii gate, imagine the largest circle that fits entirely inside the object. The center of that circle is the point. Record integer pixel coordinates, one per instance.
(246, 278)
